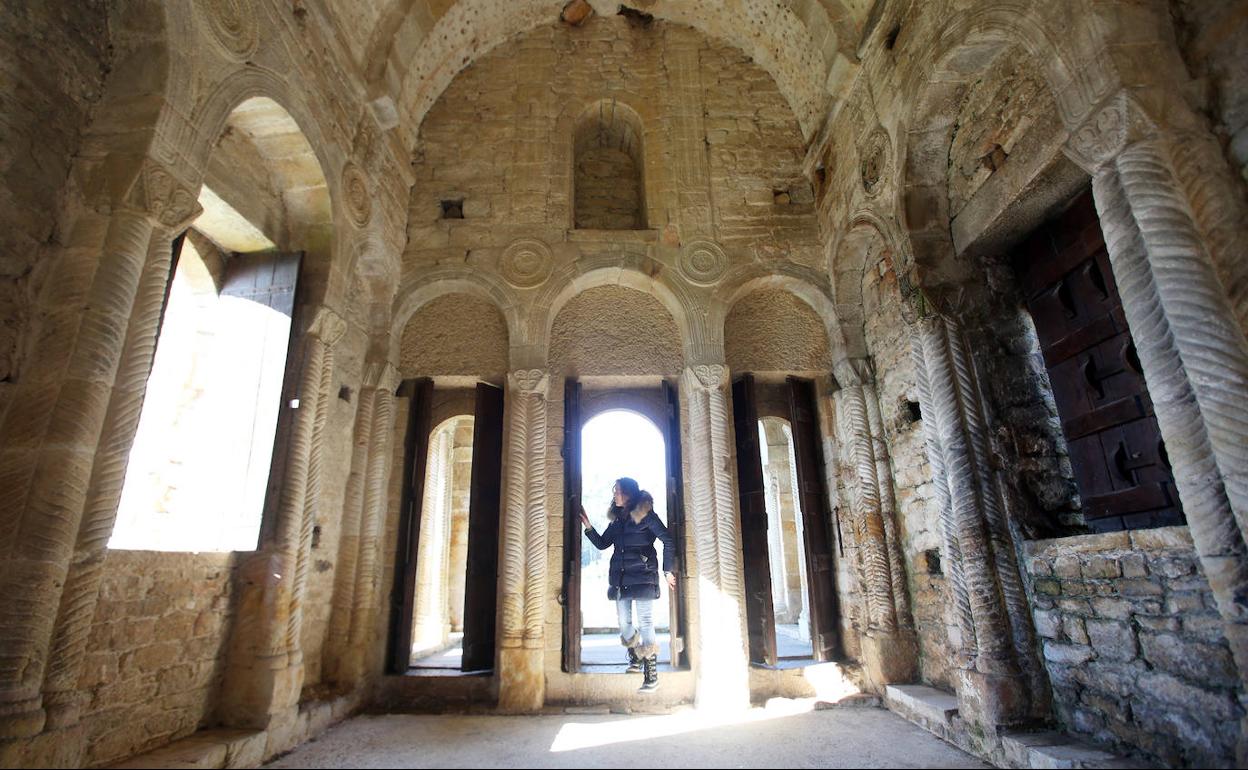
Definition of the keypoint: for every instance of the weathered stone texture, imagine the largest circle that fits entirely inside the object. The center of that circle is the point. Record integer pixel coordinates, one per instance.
(614, 330)
(773, 330)
(156, 653)
(455, 334)
(1136, 654)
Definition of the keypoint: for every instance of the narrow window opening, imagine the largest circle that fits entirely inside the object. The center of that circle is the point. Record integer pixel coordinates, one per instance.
(914, 411)
(453, 209)
(931, 560)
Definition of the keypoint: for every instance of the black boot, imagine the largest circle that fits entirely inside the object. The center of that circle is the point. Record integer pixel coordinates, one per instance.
(634, 661)
(650, 668)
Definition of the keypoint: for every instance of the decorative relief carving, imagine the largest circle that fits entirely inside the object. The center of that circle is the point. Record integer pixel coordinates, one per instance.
(164, 196)
(328, 326)
(877, 154)
(531, 380)
(526, 263)
(233, 26)
(703, 262)
(711, 375)
(355, 191)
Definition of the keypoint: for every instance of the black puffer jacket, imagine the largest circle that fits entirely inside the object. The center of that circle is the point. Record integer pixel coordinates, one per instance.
(634, 570)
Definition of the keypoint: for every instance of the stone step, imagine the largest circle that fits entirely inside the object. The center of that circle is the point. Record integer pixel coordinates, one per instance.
(1054, 750)
(928, 706)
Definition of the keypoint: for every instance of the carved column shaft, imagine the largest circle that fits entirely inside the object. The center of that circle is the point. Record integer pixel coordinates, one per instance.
(888, 510)
(345, 574)
(368, 574)
(951, 388)
(78, 600)
(868, 521)
(1192, 354)
(714, 522)
(51, 432)
(524, 564)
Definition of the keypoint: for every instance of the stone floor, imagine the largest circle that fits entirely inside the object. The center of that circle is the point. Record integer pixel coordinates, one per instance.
(772, 737)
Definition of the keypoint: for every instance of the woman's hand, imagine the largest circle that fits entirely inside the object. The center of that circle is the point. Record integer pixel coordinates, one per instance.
(585, 520)
(671, 579)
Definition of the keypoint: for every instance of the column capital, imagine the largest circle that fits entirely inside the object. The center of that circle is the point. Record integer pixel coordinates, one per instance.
(709, 376)
(853, 372)
(530, 381)
(158, 193)
(1125, 118)
(381, 375)
(328, 327)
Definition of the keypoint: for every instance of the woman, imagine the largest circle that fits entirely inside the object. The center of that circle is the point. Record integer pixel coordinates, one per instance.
(634, 573)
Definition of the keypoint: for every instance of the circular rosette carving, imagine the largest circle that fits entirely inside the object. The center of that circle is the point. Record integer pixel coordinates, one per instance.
(876, 160)
(355, 190)
(233, 26)
(526, 263)
(703, 262)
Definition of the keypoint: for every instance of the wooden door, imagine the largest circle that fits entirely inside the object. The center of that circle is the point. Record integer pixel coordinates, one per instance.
(1116, 451)
(415, 458)
(816, 520)
(759, 610)
(572, 529)
(678, 623)
(484, 508)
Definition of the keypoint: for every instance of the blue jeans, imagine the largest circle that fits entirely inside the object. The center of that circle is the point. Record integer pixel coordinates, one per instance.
(645, 619)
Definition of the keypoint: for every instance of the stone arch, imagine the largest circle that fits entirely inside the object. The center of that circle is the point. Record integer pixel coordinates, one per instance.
(772, 328)
(965, 50)
(768, 30)
(804, 283)
(866, 237)
(608, 168)
(569, 283)
(451, 280)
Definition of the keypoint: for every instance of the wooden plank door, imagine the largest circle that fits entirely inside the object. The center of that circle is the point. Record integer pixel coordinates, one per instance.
(484, 507)
(572, 529)
(415, 458)
(1116, 450)
(759, 611)
(816, 520)
(678, 622)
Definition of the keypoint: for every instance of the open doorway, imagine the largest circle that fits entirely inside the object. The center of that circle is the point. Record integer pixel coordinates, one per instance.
(442, 558)
(613, 444)
(791, 610)
(640, 441)
(784, 540)
(447, 562)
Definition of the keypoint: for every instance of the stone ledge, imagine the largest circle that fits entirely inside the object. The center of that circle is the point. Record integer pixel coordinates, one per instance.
(206, 749)
(1058, 751)
(927, 703)
(1156, 539)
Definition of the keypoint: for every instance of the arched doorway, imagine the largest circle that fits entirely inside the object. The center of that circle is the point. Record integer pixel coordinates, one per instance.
(616, 443)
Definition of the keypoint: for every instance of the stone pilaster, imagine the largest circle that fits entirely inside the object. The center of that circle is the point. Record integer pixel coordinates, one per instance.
(521, 676)
(714, 521)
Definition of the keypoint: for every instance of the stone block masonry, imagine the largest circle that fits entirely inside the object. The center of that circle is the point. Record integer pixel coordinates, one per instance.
(1134, 645)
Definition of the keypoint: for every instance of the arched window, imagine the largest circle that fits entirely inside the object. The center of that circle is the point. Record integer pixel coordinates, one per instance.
(609, 191)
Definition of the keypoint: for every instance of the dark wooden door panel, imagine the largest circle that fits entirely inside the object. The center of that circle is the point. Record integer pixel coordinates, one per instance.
(484, 510)
(816, 519)
(678, 622)
(573, 532)
(415, 458)
(1098, 385)
(759, 610)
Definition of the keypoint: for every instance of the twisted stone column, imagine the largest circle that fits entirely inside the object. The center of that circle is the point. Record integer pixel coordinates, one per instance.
(265, 673)
(54, 423)
(69, 642)
(522, 681)
(714, 521)
(890, 650)
(367, 592)
(985, 582)
(1189, 339)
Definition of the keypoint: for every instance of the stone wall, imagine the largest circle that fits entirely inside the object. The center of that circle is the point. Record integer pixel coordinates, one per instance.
(1213, 35)
(48, 103)
(156, 650)
(1134, 645)
(609, 193)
